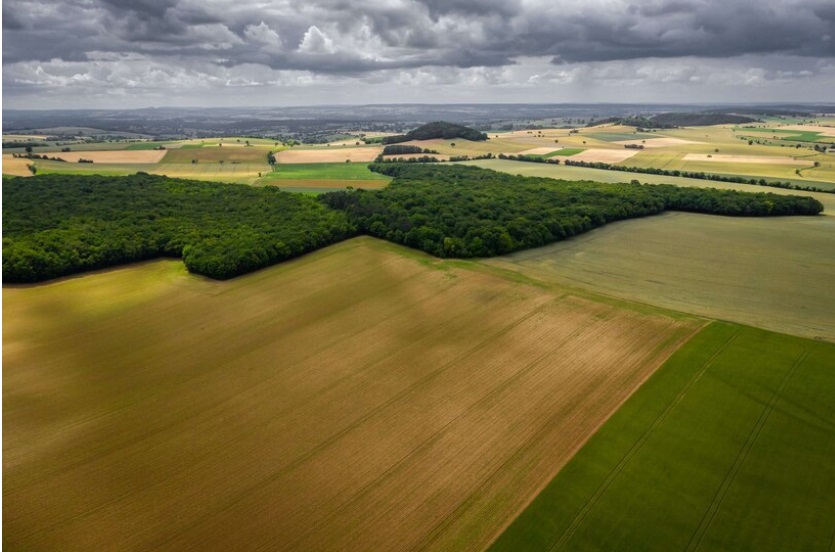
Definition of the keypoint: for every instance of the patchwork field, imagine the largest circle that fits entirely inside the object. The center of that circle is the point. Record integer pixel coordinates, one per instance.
(361, 396)
(596, 155)
(728, 446)
(774, 274)
(658, 142)
(539, 151)
(328, 155)
(761, 159)
(113, 156)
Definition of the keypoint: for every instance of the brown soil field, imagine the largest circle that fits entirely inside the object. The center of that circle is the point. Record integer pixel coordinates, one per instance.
(539, 151)
(15, 166)
(113, 156)
(774, 273)
(327, 183)
(658, 142)
(595, 155)
(329, 155)
(228, 153)
(759, 159)
(364, 397)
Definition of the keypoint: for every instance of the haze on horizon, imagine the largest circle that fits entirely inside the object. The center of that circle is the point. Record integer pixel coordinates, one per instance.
(141, 53)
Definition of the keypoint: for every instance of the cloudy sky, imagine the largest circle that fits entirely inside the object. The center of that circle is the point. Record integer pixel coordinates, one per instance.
(138, 53)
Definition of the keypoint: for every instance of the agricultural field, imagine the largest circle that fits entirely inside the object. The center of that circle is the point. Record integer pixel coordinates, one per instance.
(328, 155)
(321, 177)
(148, 409)
(227, 153)
(775, 273)
(728, 446)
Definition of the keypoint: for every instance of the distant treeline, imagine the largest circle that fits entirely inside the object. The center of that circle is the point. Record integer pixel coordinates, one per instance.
(56, 225)
(404, 149)
(673, 120)
(14, 145)
(431, 131)
(697, 175)
(461, 211)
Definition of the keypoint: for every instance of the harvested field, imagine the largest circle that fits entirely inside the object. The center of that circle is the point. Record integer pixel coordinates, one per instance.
(539, 151)
(363, 397)
(775, 273)
(758, 159)
(595, 155)
(15, 166)
(113, 156)
(824, 130)
(328, 155)
(659, 142)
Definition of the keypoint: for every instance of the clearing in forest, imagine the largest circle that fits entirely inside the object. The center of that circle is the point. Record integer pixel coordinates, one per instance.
(363, 397)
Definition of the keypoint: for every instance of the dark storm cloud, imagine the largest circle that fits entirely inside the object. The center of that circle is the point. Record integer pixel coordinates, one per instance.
(360, 36)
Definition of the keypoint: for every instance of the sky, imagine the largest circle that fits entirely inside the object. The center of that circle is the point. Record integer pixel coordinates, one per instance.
(212, 53)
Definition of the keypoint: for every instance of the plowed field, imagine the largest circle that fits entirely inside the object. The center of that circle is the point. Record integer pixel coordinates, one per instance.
(362, 397)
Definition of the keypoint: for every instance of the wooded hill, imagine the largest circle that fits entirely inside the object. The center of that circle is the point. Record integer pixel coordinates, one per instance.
(435, 130)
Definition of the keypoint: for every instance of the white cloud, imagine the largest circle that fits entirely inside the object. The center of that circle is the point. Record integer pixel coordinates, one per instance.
(316, 42)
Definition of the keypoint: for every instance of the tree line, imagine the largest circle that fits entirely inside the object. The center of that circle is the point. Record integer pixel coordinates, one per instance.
(55, 225)
(462, 211)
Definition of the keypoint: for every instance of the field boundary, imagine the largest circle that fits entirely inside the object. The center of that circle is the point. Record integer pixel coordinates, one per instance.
(575, 523)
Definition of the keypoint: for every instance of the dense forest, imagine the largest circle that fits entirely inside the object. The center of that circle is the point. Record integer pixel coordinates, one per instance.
(673, 120)
(431, 131)
(56, 225)
(459, 211)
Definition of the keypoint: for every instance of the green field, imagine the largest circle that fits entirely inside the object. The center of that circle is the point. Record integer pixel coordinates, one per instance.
(565, 152)
(775, 273)
(729, 446)
(324, 171)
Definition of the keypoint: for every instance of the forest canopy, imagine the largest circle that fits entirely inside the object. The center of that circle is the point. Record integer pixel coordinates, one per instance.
(461, 211)
(55, 225)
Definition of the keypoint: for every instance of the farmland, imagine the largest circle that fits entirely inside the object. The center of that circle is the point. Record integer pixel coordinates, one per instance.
(728, 446)
(444, 396)
(774, 273)
(322, 177)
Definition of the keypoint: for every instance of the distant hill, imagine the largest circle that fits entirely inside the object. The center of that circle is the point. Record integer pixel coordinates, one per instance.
(435, 130)
(673, 120)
